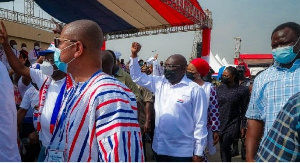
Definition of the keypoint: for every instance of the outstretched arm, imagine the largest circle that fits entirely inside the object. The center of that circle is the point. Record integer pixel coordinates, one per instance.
(13, 61)
(58, 27)
(135, 70)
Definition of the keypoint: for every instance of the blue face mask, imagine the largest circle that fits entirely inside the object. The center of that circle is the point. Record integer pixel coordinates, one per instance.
(61, 65)
(285, 55)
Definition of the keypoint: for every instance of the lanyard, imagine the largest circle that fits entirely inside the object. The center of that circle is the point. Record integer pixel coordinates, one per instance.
(35, 53)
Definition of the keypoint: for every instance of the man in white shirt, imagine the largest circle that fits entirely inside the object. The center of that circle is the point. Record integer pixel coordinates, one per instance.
(14, 47)
(180, 110)
(8, 119)
(25, 119)
(51, 87)
(33, 54)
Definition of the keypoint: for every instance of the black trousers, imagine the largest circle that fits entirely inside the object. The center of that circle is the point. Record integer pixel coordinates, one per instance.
(32, 150)
(165, 158)
(226, 141)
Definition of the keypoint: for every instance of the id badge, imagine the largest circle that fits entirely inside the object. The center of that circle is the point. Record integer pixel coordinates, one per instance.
(56, 153)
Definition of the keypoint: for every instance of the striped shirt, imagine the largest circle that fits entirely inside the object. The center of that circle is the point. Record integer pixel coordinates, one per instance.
(98, 122)
(283, 142)
(271, 90)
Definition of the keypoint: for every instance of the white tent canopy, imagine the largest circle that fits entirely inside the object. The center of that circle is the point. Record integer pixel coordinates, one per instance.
(216, 62)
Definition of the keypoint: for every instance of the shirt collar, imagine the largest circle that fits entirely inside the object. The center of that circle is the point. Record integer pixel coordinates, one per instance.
(295, 65)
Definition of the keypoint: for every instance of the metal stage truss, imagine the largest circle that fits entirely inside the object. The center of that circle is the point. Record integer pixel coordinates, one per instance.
(200, 19)
(25, 19)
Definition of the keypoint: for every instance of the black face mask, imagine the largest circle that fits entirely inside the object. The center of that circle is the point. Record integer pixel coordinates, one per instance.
(241, 74)
(190, 75)
(225, 80)
(170, 75)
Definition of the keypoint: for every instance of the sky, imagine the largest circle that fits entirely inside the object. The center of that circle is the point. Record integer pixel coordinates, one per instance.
(252, 20)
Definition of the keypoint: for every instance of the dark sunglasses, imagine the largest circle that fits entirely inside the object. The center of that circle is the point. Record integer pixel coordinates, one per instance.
(58, 40)
(171, 66)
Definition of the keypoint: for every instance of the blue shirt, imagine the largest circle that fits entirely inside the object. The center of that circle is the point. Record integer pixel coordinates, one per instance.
(282, 141)
(271, 91)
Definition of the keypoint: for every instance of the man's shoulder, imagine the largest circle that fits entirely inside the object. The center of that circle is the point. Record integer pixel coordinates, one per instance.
(294, 101)
(194, 87)
(107, 80)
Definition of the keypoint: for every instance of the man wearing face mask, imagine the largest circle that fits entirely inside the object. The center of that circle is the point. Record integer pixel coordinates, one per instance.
(14, 47)
(98, 119)
(274, 86)
(34, 53)
(180, 110)
(24, 54)
(51, 84)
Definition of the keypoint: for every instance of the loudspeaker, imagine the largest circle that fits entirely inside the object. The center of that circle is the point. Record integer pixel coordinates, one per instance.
(199, 49)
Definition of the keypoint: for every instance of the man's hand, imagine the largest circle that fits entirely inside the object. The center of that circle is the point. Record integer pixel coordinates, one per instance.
(155, 57)
(36, 107)
(3, 34)
(22, 60)
(135, 48)
(33, 138)
(198, 158)
(58, 27)
(216, 138)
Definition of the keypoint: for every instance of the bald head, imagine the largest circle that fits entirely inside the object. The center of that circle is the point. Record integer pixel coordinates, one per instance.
(107, 62)
(177, 59)
(86, 31)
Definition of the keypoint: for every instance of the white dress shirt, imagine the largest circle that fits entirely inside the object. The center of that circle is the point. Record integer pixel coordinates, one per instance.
(16, 52)
(180, 114)
(22, 87)
(54, 88)
(157, 69)
(8, 119)
(33, 56)
(29, 101)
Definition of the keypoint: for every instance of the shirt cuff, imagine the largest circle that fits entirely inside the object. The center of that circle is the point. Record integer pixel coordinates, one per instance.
(199, 151)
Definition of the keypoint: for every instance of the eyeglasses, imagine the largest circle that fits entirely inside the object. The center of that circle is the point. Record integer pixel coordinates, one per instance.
(171, 66)
(58, 40)
(48, 60)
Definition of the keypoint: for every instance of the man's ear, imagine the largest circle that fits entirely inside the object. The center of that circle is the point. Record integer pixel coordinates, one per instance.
(79, 49)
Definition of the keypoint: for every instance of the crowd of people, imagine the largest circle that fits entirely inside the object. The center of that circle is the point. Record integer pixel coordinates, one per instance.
(76, 102)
